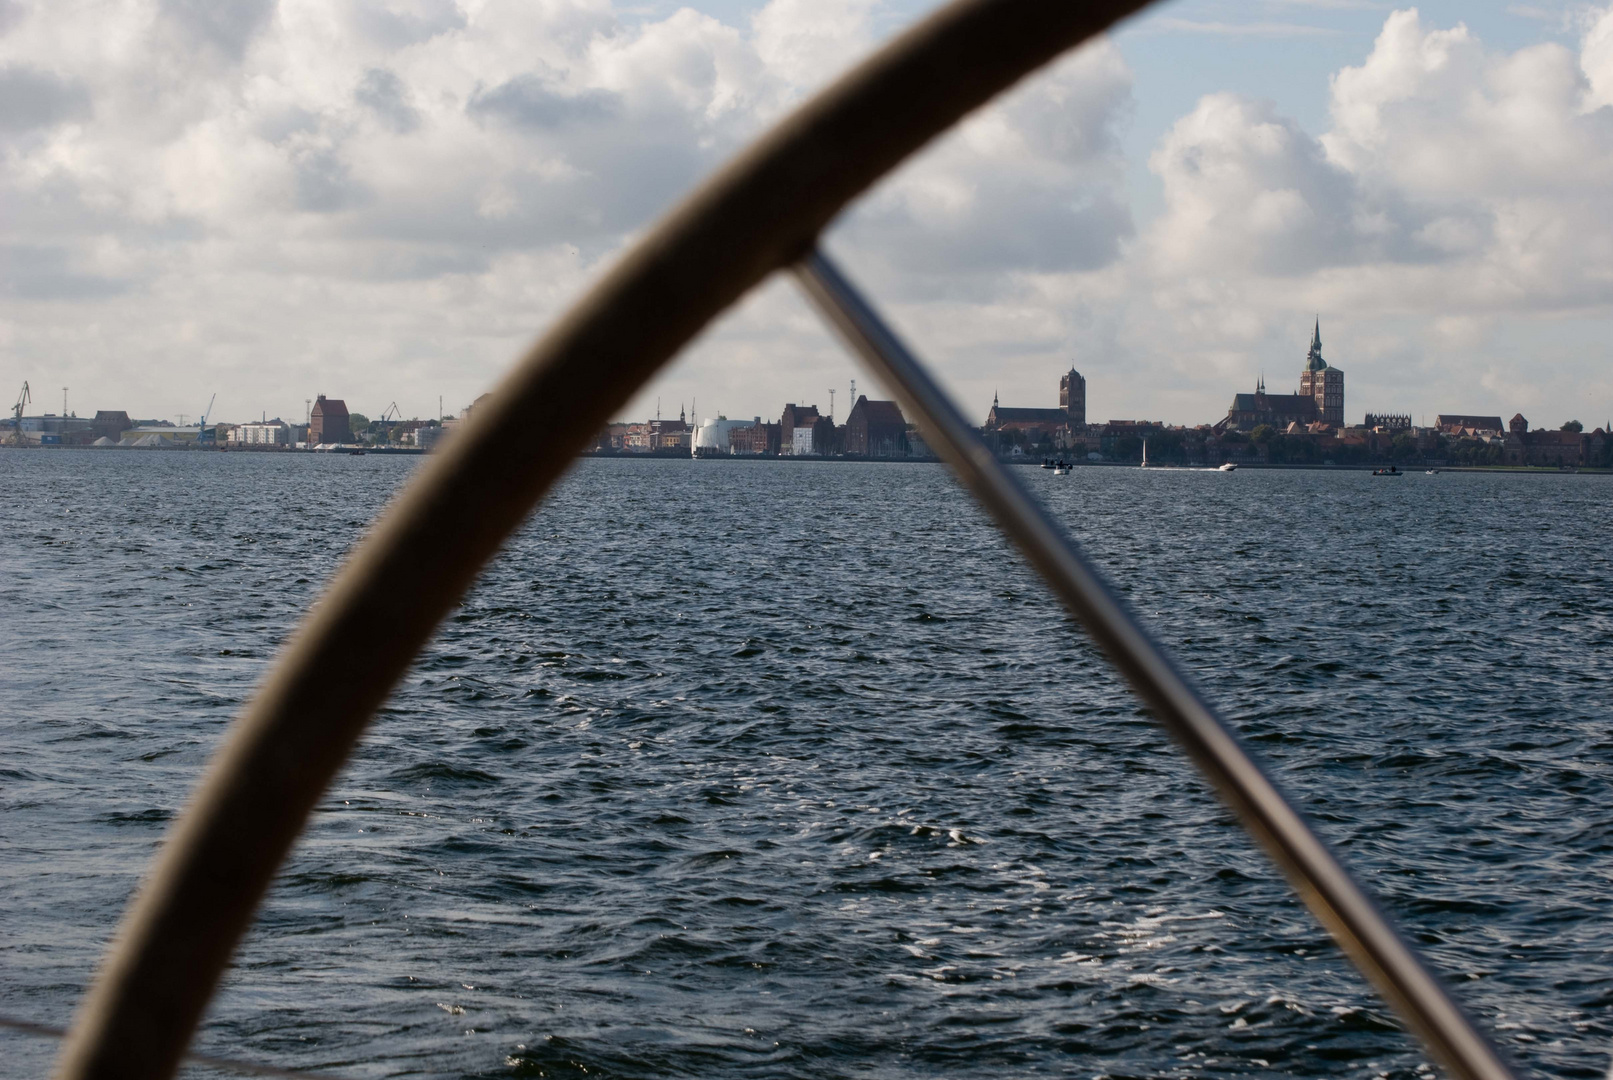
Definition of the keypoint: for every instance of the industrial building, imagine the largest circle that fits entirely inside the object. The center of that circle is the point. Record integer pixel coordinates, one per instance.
(328, 422)
(876, 429)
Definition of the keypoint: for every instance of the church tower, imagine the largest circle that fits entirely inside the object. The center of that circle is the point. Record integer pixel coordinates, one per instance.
(1073, 398)
(1323, 382)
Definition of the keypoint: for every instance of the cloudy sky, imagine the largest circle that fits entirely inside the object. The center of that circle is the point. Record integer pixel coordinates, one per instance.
(385, 201)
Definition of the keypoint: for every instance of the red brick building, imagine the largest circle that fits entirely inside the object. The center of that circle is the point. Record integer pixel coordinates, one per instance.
(328, 422)
(1323, 383)
(794, 416)
(1551, 449)
(876, 429)
(756, 439)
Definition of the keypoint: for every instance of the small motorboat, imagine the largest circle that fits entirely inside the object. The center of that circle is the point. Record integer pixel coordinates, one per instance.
(1433, 472)
(1061, 468)
(1227, 467)
(1047, 463)
(1390, 471)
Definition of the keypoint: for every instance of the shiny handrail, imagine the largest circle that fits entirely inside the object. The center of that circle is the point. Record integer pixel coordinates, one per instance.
(756, 215)
(1327, 888)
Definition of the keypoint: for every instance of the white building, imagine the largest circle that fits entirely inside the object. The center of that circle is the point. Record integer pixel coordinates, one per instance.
(802, 441)
(714, 436)
(427, 438)
(274, 432)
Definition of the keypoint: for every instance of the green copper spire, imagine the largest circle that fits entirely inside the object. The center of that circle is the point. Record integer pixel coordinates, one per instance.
(1314, 361)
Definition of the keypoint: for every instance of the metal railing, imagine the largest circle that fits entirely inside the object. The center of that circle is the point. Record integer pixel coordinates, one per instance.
(761, 213)
(1329, 890)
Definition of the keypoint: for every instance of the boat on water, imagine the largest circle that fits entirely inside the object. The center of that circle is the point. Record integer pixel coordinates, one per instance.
(1433, 472)
(1227, 467)
(1145, 454)
(1390, 471)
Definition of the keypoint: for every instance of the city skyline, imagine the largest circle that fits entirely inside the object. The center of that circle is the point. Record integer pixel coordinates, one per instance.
(691, 408)
(390, 206)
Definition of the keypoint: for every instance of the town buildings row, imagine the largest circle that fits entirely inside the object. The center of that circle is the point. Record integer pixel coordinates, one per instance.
(874, 429)
(329, 424)
(1306, 426)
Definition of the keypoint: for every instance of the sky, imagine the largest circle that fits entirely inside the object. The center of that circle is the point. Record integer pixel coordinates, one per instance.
(386, 202)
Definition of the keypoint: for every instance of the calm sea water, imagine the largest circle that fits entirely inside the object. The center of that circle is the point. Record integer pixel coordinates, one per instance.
(791, 770)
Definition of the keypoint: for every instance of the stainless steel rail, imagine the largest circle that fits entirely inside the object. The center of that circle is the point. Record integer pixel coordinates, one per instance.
(1321, 880)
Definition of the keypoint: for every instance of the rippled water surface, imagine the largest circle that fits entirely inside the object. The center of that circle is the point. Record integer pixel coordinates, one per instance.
(736, 769)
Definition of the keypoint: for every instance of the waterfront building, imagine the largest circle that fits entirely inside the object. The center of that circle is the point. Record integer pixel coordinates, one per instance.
(754, 440)
(1323, 382)
(427, 436)
(794, 416)
(670, 435)
(876, 429)
(1544, 448)
(716, 436)
(274, 432)
(328, 423)
(110, 424)
(53, 430)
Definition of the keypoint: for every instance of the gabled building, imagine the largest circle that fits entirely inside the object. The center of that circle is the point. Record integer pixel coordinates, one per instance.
(110, 424)
(328, 422)
(671, 435)
(876, 429)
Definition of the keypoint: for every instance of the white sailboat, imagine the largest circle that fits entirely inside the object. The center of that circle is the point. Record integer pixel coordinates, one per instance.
(1145, 454)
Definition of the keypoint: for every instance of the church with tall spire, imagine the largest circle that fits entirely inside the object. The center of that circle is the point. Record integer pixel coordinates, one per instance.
(1323, 382)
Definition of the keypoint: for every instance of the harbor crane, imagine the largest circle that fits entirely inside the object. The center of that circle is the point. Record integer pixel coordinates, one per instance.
(23, 399)
(204, 436)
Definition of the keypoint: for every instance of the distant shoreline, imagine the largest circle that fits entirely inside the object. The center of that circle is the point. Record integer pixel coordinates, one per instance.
(409, 451)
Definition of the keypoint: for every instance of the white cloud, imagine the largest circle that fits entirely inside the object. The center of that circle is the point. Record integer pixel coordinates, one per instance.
(1459, 193)
(292, 195)
(1171, 24)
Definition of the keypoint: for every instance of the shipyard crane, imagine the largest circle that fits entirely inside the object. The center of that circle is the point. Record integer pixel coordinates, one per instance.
(23, 399)
(203, 436)
(390, 415)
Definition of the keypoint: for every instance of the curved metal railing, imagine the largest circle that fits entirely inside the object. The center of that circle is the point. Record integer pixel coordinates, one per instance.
(760, 214)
